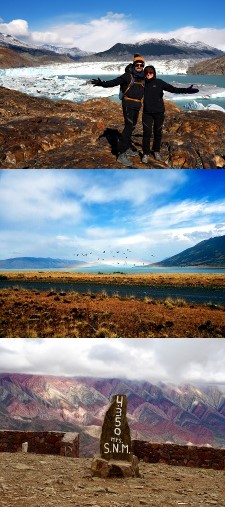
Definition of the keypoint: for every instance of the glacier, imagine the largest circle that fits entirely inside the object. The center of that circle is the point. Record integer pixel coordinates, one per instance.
(71, 81)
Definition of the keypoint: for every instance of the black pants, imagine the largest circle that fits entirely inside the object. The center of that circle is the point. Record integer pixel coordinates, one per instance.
(130, 119)
(150, 120)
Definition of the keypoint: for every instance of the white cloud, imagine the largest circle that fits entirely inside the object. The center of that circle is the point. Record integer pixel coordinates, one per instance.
(136, 188)
(97, 34)
(173, 360)
(16, 27)
(38, 196)
(102, 33)
(59, 213)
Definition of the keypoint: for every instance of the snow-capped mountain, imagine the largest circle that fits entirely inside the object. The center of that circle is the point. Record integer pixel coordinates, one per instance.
(180, 43)
(157, 48)
(66, 51)
(8, 41)
(11, 42)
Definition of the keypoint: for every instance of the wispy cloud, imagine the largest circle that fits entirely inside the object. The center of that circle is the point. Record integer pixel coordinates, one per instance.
(56, 213)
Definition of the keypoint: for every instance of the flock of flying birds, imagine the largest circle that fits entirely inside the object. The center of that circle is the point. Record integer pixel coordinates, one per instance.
(118, 257)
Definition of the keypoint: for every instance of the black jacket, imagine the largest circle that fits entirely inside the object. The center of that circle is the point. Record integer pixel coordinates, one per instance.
(153, 94)
(134, 95)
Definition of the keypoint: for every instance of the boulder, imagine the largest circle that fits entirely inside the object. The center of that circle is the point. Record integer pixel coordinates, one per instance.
(104, 468)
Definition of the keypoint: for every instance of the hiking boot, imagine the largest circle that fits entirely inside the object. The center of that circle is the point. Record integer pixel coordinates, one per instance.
(131, 153)
(157, 155)
(145, 159)
(122, 159)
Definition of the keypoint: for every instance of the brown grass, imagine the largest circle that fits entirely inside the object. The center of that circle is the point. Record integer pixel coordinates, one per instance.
(177, 279)
(31, 314)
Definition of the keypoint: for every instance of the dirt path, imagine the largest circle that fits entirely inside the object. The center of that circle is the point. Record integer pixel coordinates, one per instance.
(51, 481)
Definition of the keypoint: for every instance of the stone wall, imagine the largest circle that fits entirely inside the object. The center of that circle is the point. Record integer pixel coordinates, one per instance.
(41, 442)
(180, 455)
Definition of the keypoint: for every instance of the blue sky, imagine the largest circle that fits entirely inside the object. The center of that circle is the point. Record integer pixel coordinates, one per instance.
(58, 213)
(96, 26)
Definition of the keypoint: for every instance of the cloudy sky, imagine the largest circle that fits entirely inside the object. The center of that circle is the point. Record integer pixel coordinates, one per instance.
(93, 26)
(174, 360)
(59, 214)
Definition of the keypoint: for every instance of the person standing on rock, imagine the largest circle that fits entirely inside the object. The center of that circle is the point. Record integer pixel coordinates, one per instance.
(154, 110)
(132, 87)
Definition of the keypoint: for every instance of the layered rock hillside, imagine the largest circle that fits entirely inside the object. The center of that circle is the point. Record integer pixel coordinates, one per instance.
(155, 412)
(211, 66)
(40, 133)
(210, 252)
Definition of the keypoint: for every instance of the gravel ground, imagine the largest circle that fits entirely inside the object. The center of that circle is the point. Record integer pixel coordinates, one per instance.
(45, 481)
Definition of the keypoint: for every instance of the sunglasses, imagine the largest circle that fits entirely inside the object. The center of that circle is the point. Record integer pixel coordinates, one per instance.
(139, 65)
(149, 72)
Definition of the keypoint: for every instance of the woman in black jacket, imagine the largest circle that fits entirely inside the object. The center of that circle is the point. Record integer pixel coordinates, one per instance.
(132, 87)
(154, 109)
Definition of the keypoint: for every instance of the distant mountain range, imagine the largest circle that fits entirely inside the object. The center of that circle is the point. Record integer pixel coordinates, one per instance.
(74, 52)
(209, 252)
(156, 413)
(25, 54)
(156, 48)
(16, 53)
(37, 263)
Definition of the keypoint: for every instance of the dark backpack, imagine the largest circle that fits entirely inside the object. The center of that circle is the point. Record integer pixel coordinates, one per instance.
(132, 81)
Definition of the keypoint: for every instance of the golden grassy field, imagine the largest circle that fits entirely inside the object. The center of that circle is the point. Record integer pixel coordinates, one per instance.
(35, 314)
(188, 279)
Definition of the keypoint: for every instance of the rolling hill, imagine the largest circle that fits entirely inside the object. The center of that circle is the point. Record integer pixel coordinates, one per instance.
(209, 252)
(37, 263)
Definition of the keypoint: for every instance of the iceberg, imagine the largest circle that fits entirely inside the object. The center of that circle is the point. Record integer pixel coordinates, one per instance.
(71, 81)
(198, 106)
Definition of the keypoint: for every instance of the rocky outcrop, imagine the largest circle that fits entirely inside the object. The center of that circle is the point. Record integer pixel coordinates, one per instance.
(39, 133)
(114, 468)
(212, 66)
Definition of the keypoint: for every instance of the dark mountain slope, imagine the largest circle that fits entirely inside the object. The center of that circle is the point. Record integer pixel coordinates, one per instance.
(209, 252)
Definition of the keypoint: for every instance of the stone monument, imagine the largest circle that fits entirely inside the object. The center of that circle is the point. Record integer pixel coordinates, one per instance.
(116, 458)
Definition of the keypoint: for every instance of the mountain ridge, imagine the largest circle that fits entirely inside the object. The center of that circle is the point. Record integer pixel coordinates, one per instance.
(154, 48)
(29, 54)
(37, 263)
(208, 252)
(156, 412)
